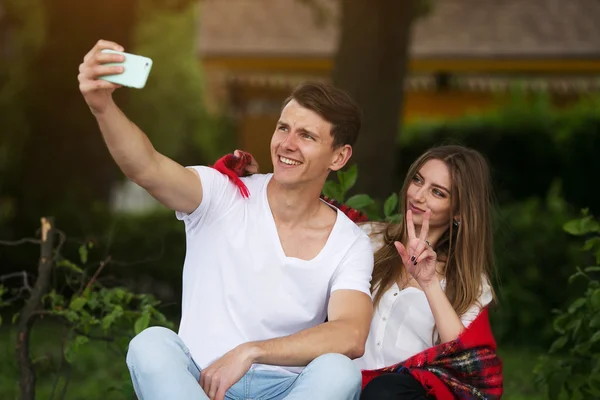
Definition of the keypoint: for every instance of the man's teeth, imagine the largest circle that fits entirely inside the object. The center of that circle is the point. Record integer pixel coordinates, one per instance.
(288, 161)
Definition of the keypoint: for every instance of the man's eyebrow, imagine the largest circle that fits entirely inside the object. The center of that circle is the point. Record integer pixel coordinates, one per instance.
(304, 130)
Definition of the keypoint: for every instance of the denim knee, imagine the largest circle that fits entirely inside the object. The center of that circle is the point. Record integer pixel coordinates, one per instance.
(344, 373)
(152, 348)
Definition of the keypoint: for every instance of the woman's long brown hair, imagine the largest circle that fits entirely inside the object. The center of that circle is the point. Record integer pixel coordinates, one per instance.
(466, 248)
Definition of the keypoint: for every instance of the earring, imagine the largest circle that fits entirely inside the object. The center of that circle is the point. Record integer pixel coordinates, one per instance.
(456, 223)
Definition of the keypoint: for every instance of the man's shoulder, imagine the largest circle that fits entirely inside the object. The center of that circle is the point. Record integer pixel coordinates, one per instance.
(256, 183)
(349, 231)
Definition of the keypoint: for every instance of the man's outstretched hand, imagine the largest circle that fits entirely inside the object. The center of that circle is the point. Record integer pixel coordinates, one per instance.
(96, 92)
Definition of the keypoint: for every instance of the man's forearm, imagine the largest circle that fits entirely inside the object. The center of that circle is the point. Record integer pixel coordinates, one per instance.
(129, 146)
(301, 348)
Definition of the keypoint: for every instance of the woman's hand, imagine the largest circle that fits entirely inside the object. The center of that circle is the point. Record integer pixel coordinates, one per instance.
(251, 168)
(420, 259)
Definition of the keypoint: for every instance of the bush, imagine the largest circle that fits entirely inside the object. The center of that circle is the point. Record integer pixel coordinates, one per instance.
(531, 251)
(572, 368)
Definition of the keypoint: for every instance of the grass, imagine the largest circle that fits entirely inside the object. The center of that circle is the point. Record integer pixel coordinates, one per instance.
(99, 371)
(518, 365)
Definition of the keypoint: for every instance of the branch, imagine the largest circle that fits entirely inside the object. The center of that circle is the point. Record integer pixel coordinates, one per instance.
(100, 268)
(16, 275)
(18, 242)
(63, 239)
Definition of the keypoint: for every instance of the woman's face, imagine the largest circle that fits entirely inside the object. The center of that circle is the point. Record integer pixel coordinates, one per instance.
(430, 189)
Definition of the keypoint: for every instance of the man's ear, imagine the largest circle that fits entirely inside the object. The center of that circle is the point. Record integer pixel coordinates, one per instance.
(341, 157)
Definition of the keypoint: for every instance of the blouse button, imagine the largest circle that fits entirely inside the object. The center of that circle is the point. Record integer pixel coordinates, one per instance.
(384, 318)
(396, 294)
(378, 343)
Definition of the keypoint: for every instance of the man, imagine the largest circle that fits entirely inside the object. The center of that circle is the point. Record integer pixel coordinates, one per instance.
(261, 273)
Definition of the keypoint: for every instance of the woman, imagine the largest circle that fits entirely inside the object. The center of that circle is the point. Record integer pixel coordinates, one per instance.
(432, 273)
(431, 281)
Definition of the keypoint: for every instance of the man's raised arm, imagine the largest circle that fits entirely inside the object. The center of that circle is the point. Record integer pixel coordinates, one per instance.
(176, 187)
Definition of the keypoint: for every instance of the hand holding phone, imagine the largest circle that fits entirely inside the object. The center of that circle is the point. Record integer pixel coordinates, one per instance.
(136, 70)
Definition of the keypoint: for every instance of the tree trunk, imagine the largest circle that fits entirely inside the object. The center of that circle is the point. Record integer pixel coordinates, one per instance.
(370, 64)
(66, 168)
(27, 315)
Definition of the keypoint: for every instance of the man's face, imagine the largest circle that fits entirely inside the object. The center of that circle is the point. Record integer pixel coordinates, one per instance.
(301, 147)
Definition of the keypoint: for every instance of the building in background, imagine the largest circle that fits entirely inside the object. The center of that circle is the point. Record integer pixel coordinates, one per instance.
(465, 56)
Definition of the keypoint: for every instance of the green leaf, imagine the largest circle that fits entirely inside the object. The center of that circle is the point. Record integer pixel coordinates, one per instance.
(15, 317)
(582, 226)
(80, 340)
(558, 344)
(595, 322)
(141, 323)
(577, 274)
(390, 205)
(560, 322)
(595, 337)
(68, 264)
(83, 253)
(333, 191)
(69, 353)
(576, 305)
(592, 269)
(595, 299)
(109, 319)
(359, 201)
(348, 178)
(591, 243)
(77, 303)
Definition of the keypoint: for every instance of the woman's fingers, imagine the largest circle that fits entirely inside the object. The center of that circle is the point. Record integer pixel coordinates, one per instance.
(402, 251)
(425, 226)
(426, 254)
(410, 226)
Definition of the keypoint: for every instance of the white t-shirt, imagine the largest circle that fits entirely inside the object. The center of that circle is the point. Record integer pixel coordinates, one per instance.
(238, 284)
(403, 323)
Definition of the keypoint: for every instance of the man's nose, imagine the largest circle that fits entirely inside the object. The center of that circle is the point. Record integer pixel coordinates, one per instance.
(289, 143)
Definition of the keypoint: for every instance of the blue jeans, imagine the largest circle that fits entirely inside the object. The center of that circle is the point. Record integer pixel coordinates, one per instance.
(161, 367)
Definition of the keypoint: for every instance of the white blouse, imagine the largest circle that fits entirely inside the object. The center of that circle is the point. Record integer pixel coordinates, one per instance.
(402, 324)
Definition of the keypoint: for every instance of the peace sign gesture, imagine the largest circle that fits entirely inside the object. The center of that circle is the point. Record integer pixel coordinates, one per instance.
(420, 259)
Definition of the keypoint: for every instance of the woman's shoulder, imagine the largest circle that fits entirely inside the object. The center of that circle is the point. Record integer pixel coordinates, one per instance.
(376, 232)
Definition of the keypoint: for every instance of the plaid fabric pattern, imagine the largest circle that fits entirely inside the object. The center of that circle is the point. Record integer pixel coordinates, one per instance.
(467, 368)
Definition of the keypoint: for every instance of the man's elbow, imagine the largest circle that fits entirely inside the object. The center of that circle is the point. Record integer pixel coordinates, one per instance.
(357, 344)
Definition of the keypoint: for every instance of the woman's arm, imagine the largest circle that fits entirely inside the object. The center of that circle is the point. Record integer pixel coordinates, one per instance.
(447, 322)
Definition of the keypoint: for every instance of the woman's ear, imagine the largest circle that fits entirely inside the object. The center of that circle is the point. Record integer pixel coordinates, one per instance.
(456, 220)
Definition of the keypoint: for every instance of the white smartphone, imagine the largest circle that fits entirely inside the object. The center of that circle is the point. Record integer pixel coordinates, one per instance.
(137, 69)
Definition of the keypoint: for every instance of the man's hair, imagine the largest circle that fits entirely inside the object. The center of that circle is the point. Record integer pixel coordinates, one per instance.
(332, 104)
